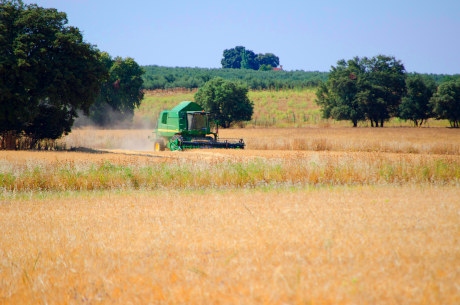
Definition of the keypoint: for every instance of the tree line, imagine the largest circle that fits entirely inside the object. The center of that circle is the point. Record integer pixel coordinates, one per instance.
(241, 64)
(158, 77)
(49, 74)
(378, 88)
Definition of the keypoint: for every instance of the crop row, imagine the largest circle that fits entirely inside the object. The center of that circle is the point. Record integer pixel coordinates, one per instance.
(254, 173)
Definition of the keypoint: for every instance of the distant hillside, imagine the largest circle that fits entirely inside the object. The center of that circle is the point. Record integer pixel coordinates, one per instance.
(157, 77)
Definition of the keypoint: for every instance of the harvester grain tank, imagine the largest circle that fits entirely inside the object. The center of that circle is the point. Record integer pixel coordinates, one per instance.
(188, 126)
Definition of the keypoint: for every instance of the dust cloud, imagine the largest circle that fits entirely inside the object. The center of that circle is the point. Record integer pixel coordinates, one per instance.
(125, 132)
(96, 138)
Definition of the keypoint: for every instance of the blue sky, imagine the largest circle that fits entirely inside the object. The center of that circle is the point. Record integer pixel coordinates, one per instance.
(305, 35)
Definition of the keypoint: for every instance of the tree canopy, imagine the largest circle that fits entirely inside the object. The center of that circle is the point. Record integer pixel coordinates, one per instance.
(446, 102)
(363, 88)
(227, 101)
(241, 58)
(382, 87)
(338, 97)
(233, 57)
(415, 105)
(268, 59)
(46, 68)
(120, 94)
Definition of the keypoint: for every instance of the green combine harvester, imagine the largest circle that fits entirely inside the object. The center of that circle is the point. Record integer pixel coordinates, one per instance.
(186, 126)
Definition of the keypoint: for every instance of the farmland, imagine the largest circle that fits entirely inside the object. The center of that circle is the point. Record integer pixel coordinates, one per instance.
(441, 141)
(284, 108)
(312, 211)
(313, 245)
(303, 216)
(196, 170)
(317, 214)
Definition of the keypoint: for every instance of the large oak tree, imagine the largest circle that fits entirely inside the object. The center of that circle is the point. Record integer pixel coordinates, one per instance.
(338, 97)
(363, 88)
(446, 102)
(47, 71)
(415, 105)
(227, 101)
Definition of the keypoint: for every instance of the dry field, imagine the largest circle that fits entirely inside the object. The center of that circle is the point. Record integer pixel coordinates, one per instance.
(283, 108)
(397, 140)
(303, 216)
(218, 169)
(314, 245)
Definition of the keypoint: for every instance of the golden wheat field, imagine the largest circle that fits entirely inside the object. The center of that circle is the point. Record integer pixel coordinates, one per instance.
(341, 245)
(302, 216)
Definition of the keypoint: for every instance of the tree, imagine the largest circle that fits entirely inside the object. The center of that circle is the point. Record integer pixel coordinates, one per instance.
(240, 58)
(264, 67)
(227, 101)
(338, 97)
(415, 105)
(363, 88)
(268, 59)
(50, 123)
(120, 94)
(232, 57)
(382, 87)
(446, 102)
(44, 65)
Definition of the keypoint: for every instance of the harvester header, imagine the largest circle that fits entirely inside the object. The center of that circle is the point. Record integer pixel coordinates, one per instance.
(188, 126)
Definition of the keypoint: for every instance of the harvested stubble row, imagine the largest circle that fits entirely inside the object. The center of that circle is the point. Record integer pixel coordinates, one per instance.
(396, 140)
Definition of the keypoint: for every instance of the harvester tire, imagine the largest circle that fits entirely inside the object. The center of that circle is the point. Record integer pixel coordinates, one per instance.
(159, 145)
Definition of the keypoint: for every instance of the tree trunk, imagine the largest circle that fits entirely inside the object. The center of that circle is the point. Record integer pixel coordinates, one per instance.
(32, 143)
(376, 123)
(355, 123)
(9, 140)
(372, 123)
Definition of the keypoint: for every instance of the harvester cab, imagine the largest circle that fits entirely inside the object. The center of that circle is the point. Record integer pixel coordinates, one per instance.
(188, 126)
